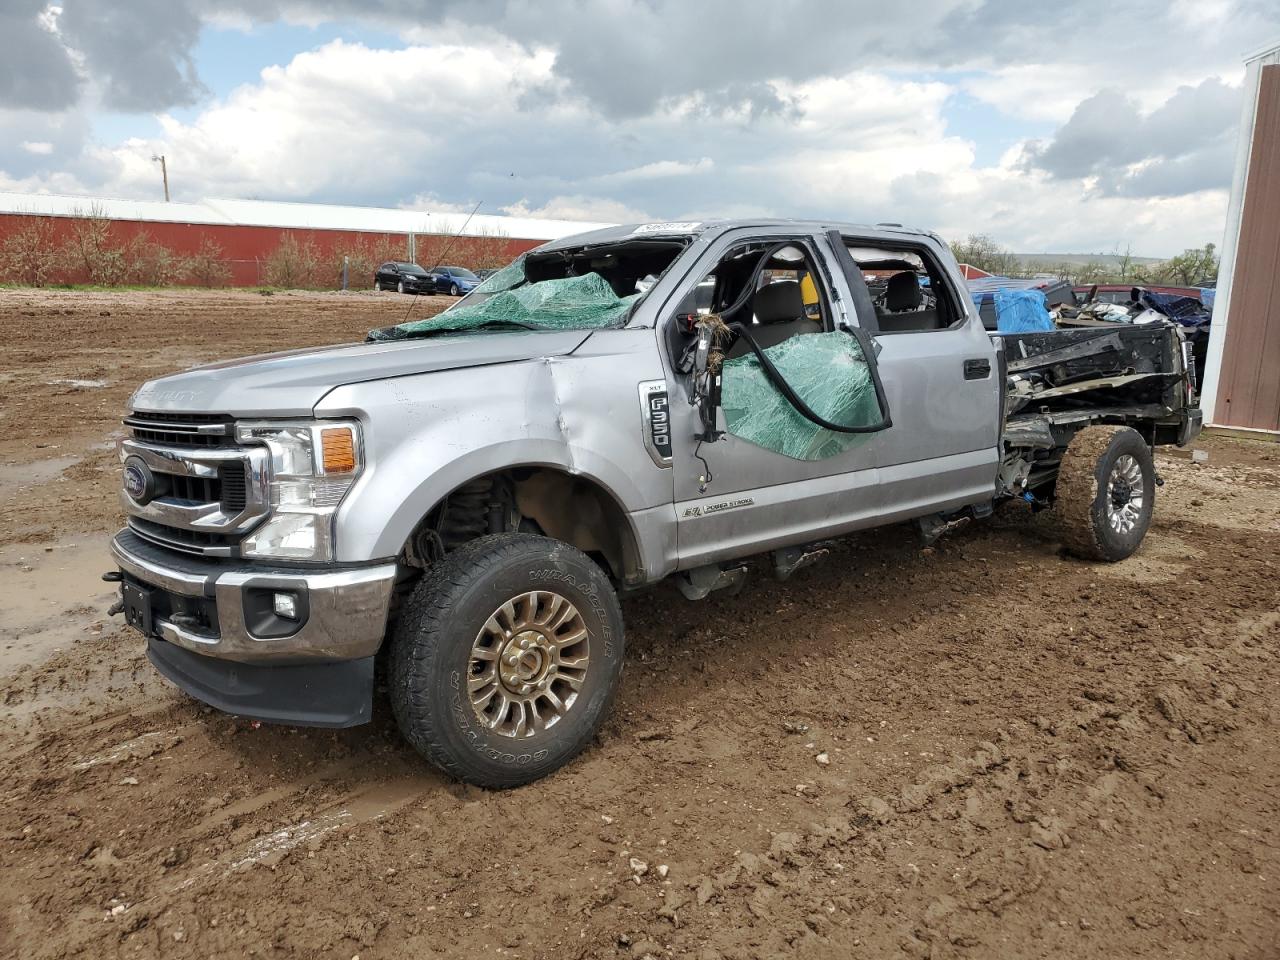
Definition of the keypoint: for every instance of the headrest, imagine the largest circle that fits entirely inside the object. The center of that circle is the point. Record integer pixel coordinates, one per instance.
(779, 302)
(903, 292)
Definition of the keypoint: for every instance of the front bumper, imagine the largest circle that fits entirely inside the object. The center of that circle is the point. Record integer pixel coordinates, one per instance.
(344, 610)
(210, 630)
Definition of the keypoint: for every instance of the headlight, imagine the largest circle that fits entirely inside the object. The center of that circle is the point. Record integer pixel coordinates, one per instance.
(313, 465)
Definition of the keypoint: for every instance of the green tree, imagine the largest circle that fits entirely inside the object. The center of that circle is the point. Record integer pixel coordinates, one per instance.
(1193, 266)
(1092, 272)
(981, 251)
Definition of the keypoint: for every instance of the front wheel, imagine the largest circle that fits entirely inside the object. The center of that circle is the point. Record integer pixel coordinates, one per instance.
(400, 286)
(1105, 493)
(505, 659)
(455, 291)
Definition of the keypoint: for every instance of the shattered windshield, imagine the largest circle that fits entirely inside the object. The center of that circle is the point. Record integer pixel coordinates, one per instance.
(584, 288)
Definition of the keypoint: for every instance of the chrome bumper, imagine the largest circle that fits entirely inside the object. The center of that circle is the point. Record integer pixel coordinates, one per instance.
(346, 608)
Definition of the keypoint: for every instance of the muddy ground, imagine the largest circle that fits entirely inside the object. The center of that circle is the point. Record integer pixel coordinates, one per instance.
(1025, 755)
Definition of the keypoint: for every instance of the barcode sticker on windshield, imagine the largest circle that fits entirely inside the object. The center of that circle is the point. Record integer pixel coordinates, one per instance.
(685, 226)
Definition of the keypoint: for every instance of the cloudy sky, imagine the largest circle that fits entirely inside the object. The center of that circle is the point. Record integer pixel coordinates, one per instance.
(1080, 126)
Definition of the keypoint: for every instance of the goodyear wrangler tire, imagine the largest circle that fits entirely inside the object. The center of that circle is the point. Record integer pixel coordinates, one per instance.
(1105, 493)
(505, 659)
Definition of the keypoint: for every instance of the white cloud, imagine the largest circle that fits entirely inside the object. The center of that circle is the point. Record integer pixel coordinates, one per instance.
(38, 147)
(443, 125)
(595, 209)
(658, 170)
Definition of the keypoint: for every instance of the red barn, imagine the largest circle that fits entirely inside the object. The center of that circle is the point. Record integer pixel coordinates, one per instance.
(247, 233)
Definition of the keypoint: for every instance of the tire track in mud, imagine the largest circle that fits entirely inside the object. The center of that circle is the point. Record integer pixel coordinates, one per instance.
(131, 876)
(1075, 726)
(1074, 790)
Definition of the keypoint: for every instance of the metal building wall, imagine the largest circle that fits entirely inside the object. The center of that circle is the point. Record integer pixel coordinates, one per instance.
(1248, 388)
(1239, 247)
(246, 249)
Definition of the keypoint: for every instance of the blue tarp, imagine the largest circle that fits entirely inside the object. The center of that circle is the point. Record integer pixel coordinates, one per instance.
(1187, 311)
(1021, 311)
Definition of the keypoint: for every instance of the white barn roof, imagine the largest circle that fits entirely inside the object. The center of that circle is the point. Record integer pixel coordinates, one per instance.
(314, 216)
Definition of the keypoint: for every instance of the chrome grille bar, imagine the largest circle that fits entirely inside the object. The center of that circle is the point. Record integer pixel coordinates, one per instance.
(244, 503)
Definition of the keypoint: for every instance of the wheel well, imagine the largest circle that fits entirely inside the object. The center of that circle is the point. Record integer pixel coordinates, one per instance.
(575, 510)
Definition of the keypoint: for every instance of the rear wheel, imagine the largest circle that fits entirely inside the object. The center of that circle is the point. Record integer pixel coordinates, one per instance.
(1105, 493)
(505, 659)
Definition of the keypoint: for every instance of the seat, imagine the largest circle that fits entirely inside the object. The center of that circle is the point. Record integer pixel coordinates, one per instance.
(903, 292)
(779, 310)
(903, 310)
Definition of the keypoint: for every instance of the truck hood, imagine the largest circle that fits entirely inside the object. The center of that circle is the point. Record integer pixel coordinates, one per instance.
(290, 384)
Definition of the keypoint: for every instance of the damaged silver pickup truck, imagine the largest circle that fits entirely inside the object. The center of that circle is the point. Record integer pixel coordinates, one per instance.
(463, 498)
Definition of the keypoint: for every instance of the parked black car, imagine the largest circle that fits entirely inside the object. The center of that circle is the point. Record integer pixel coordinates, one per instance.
(403, 278)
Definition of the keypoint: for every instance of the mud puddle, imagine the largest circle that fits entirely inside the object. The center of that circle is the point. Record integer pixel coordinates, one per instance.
(17, 477)
(51, 596)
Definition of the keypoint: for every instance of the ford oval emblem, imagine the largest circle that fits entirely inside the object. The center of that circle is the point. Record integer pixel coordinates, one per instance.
(139, 481)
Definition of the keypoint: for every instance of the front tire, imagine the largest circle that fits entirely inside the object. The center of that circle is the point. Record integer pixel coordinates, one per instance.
(400, 286)
(505, 659)
(1105, 493)
(453, 290)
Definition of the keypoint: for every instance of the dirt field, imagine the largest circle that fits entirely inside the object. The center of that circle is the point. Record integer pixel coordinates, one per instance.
(980, 749)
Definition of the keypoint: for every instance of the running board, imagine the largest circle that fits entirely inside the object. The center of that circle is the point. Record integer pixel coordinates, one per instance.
(790, 559)
(695, 584)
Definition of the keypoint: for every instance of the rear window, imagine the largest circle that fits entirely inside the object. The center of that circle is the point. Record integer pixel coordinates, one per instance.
(908, 288)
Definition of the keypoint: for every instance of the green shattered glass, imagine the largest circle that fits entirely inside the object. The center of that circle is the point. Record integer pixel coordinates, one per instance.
(512, 275)
(571, 303)
(827, 371)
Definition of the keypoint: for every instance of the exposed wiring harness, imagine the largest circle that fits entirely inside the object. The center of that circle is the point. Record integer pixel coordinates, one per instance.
(775, 376)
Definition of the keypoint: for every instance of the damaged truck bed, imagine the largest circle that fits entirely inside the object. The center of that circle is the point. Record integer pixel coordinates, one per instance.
(1057, 381)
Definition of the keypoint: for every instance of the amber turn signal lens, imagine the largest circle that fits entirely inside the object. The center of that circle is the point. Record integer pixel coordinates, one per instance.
(339, 447)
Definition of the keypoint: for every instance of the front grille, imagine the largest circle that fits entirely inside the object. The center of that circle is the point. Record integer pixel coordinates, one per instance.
(229, 488)
(234, 492)
(182, 429)
(193, 489)
(206, 514)
(176, 538)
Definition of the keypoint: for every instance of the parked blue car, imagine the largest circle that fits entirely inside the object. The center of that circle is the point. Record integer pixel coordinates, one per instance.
(455, 281)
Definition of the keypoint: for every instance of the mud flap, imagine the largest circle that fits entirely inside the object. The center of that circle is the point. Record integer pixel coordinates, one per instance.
(333, 694)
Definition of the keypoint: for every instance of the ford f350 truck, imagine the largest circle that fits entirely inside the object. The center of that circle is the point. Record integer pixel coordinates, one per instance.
(464, 498)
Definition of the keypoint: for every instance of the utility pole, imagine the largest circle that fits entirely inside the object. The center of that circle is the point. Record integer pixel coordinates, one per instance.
(164, 172)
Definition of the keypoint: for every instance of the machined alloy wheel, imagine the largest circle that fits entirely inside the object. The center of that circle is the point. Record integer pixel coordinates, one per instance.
(505, 658)
(455, 291)
(528, 663)
(1105, 492)
(400, 286)
(1125, 488)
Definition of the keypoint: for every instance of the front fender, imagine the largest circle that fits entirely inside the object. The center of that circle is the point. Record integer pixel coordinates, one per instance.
(427, 435)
